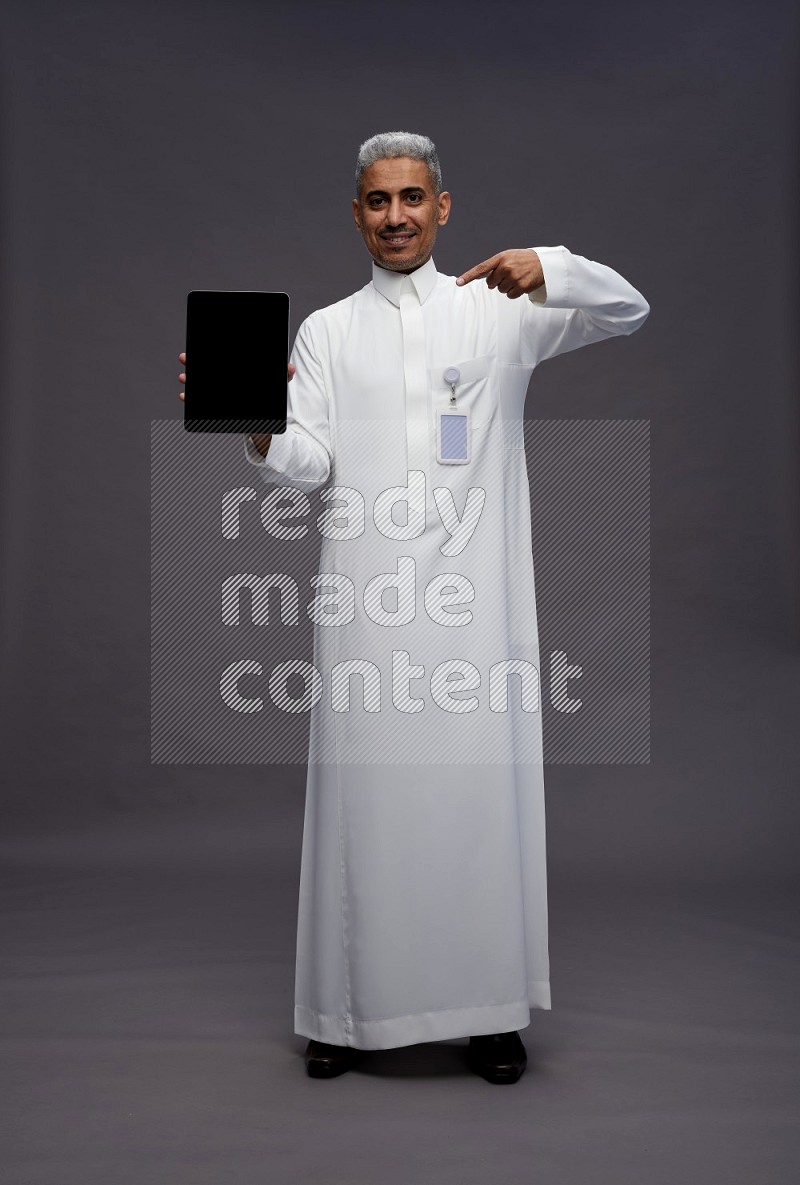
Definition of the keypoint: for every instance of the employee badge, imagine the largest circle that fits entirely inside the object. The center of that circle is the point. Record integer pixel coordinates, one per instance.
(452, 426)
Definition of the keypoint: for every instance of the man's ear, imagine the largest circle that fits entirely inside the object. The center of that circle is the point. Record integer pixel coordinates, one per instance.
(356, 214)
(444, 207)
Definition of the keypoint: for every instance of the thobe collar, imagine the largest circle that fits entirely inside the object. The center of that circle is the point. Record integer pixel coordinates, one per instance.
(391, 284)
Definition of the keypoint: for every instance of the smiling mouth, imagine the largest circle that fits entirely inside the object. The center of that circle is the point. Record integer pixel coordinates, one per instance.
(397, 240)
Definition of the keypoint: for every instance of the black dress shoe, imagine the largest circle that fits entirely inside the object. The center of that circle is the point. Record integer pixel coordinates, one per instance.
(328, 1061)
(498, 1057)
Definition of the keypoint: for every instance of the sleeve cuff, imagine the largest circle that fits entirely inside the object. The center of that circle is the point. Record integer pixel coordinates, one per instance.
(277, 455)
(555, 290)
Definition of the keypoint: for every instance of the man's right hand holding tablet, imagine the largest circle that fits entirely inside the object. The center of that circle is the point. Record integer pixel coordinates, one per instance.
(260, 439)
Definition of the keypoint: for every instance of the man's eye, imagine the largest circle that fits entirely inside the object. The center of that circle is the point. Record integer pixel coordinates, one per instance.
(415, 197)
(375, 201)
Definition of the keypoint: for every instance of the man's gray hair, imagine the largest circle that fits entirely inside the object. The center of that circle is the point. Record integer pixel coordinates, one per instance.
(389, 144)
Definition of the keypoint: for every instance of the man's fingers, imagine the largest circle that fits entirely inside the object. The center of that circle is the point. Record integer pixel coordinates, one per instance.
(480, 269)
(292, 371)
(181, 395)
(182, 358)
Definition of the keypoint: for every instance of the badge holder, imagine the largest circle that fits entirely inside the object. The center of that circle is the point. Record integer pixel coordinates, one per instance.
(453, 435)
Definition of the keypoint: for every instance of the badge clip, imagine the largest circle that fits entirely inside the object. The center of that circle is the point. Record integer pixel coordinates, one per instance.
(451, 377)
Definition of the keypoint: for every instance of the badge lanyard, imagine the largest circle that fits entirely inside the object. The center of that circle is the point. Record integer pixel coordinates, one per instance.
(452, 426)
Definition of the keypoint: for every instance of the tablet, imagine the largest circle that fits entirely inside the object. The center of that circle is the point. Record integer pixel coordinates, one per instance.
(237, 352)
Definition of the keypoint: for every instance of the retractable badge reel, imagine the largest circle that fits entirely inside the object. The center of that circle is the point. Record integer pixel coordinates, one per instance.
(452, 426)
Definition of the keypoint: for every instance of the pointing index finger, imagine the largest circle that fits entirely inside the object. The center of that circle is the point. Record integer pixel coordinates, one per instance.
(480, 269)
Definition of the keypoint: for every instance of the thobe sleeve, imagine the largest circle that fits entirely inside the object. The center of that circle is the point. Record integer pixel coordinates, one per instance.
(581, 302)
(300, 456)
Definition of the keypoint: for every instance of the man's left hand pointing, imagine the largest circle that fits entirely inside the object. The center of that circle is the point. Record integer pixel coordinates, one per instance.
(513, 272)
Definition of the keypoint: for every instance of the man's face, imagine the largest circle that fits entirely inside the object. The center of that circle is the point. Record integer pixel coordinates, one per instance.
(398, 214)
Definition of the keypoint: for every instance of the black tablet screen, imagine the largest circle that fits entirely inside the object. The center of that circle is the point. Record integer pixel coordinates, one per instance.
(237, 349)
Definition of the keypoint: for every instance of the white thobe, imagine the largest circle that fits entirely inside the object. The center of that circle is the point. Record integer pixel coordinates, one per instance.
(423, 895)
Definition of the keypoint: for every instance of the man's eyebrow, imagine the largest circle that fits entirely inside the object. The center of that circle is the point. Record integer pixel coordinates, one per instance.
(383, 193)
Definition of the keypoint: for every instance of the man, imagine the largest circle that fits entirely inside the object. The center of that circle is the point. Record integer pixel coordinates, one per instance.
(423, 901)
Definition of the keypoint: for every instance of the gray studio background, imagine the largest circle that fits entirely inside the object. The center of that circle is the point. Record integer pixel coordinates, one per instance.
(149, 909)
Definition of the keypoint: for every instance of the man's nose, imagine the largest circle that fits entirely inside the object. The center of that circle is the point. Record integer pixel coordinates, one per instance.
(396, 215)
